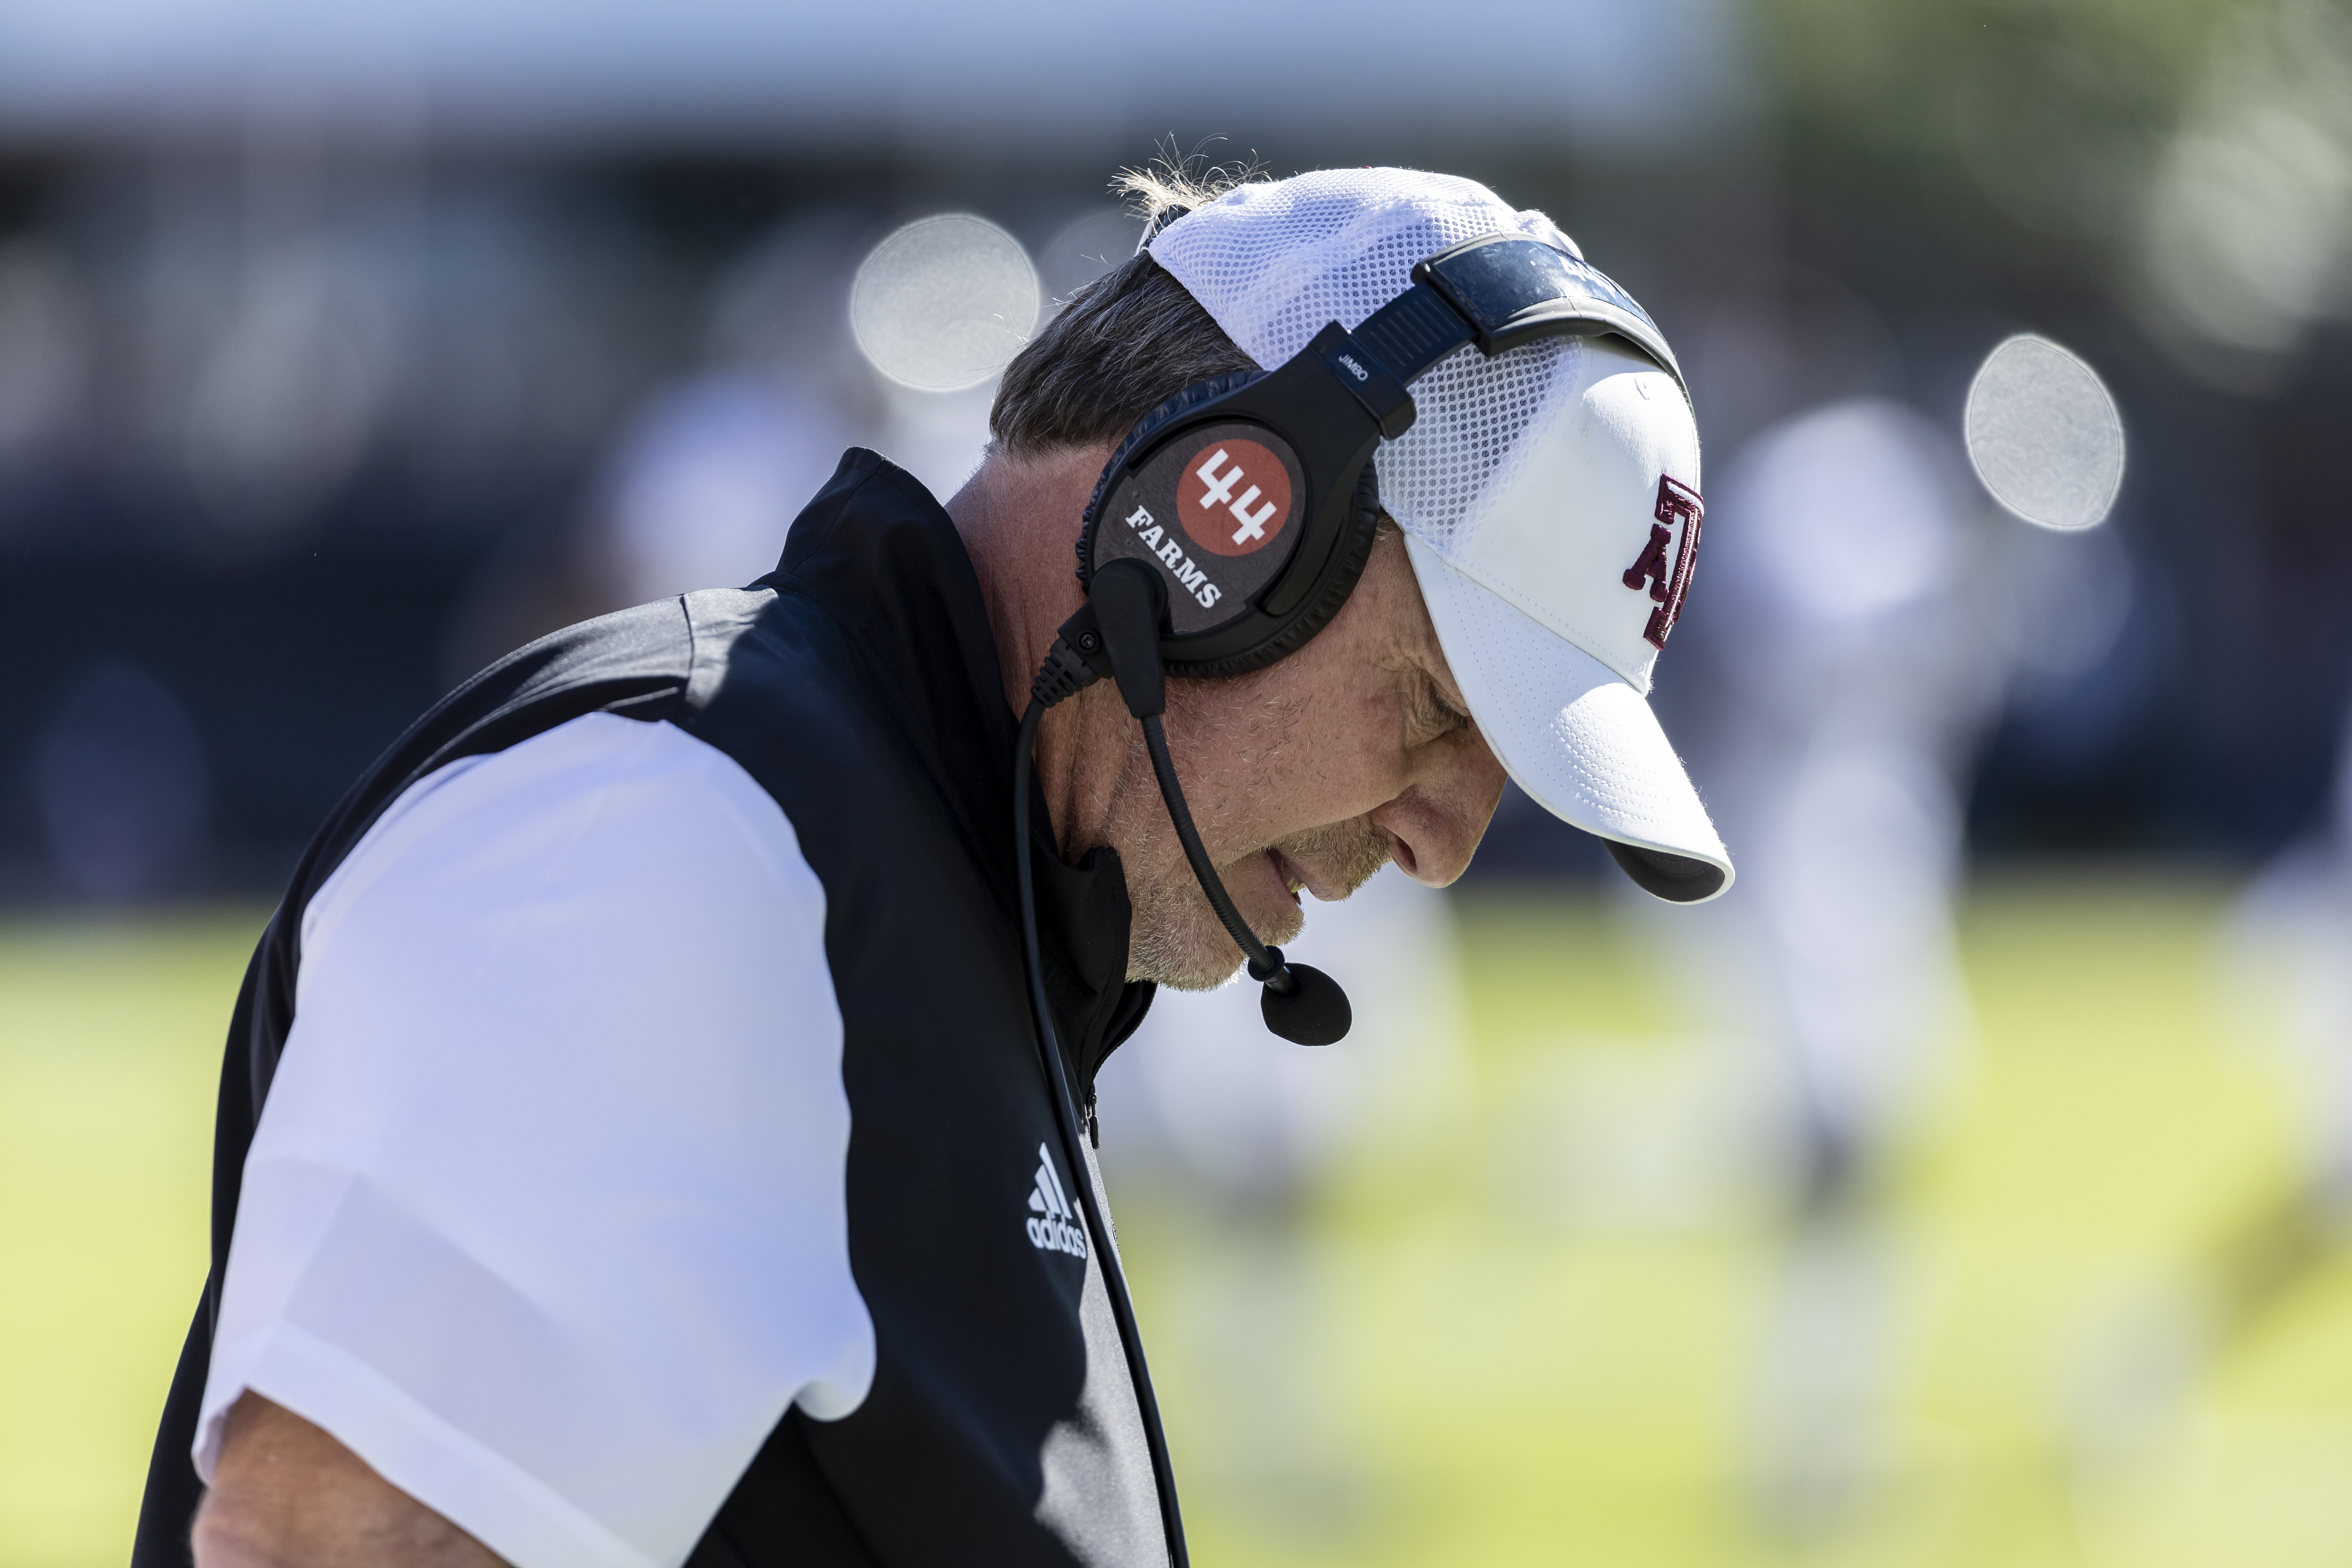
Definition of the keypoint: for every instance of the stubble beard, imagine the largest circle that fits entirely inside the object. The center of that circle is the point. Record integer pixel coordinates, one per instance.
(1176, 937)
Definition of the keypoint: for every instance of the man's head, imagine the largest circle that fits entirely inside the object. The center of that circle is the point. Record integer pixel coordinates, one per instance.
(1363, 746)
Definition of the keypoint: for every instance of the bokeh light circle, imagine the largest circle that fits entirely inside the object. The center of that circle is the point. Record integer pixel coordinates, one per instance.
(2044, 434)
(944, 302)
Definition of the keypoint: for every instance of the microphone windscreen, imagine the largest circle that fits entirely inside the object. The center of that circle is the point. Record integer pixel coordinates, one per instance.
(1317, 1013)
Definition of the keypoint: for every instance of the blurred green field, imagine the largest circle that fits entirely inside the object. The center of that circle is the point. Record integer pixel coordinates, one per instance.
(1436, 1361)
(110, 1051)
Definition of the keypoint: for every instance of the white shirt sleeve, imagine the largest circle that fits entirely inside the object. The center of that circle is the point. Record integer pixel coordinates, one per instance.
(545, 1215)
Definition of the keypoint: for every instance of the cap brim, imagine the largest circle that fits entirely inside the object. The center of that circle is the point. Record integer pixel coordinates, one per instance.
(1574, 736)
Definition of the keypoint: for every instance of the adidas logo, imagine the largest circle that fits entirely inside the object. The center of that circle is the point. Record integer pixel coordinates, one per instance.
(1050, 1229)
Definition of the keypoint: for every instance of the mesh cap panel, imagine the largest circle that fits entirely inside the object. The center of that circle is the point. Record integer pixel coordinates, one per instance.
(1271, 263)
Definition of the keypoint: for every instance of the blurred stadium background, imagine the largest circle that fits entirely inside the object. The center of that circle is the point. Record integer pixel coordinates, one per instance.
(1964, 1190)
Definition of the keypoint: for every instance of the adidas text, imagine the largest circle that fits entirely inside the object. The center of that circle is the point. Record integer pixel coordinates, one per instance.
(1050, 1229)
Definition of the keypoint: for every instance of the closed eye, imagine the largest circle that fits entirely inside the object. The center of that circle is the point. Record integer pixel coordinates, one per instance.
(1435, 716)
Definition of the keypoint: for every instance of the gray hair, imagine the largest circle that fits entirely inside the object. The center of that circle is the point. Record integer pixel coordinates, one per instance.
(1127, 342)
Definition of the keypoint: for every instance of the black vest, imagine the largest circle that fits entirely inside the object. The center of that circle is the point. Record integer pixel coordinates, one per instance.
(858, 683)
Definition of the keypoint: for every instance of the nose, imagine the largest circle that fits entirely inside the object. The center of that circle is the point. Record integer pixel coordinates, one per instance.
(1435, 825)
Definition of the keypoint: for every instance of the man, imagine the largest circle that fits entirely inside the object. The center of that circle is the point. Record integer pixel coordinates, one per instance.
(633, 1147)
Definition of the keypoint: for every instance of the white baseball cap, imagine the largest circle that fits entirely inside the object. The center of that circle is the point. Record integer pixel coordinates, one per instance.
(1550, 496)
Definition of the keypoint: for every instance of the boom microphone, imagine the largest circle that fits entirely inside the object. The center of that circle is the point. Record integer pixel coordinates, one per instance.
(1119, 626)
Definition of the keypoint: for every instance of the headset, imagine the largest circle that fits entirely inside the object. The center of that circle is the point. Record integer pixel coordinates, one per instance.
(1228, 530)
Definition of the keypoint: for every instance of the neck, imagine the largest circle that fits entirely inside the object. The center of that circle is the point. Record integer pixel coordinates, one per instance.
(1019, 519)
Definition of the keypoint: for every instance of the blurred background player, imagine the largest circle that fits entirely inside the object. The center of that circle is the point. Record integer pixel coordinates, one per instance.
(709, 473)
(1866, 613)
(1847, 683)
(2284, 953)
(2289, 945)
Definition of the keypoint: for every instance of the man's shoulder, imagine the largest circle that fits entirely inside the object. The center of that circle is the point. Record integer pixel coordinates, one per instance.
(671, 658)
(638, 661)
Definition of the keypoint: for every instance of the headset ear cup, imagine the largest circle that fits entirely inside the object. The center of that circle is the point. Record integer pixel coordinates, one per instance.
(1341, 575)
(1185, 402)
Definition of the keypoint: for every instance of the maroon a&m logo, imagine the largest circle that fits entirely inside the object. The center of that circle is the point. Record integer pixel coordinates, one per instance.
(1233, 498)
(1668, 584)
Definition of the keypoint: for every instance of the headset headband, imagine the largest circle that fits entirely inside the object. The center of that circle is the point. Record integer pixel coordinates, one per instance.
(1501, 290)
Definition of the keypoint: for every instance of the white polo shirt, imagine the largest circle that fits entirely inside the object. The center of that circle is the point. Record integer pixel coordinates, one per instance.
(544, 1217)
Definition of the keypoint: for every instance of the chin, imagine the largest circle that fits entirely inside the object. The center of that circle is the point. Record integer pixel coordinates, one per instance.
(1178, 942)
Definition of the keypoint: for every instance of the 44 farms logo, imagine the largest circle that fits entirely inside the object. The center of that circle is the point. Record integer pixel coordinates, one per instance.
(1231, 498)
(1235, 496)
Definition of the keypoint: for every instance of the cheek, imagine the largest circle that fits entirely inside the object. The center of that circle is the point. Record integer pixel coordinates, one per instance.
(1344, 756)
